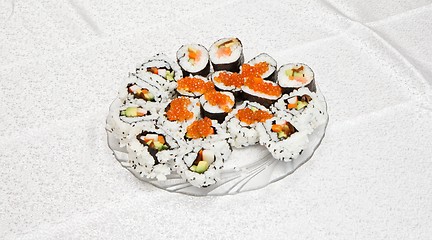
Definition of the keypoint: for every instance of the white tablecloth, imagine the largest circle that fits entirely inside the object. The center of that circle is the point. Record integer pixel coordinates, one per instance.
(61, 63)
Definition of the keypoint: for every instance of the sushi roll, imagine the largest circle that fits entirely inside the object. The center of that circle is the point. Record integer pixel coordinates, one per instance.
(152, 152)
(241, 123)
(194, 86)
(267, 63)
(228, 81)
(179, 113)
(227, 54)
(205, 129)
(282, 138)
(135, 90)
(161, 65)
(307, 109)
(202, 164)
(293, 76)
(193, 60)
(261, 91)
(216, 105)
(156, 80)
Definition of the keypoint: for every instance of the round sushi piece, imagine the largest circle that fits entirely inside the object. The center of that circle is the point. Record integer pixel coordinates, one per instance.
(179, 113)
(193, 60)
(161, 65)
(202, 130)
(216, 105)
(282, 138)
(264, 92)
(152, 151)
(135, 90)
(241, 123)
(293, 76)
(265, 61)
(202, 163)
(122, 118)
(227, 54)
(307, 109)
(194, 86)
(156, 80)
(228, 81)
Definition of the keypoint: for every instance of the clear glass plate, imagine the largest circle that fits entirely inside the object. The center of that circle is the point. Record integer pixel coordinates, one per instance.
(247, 169)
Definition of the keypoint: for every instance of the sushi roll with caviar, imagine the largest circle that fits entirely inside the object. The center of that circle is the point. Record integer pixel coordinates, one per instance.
(205, 129)
(241, 123)
(202, 163)
(307, 109)
(228, 81)
(194, 86)
(216, 105)
(282, 138)
(261, 91)
(152, 152)
(161, 65)
(135, 90)
(227, 54)
(193, 60)
(179, 113)
(268, 63)
(293, 76)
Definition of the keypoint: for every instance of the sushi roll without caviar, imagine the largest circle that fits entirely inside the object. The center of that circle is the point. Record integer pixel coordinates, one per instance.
(135, 90)
(228, 81)
(152, 152)
(161, 65)
(193, 60)
(193, 86)
(179, 113)
(307, 109)
(282, 138)
(269, 62)
(241, 123)
(216, 105)
(155, 79)
(227, 54)
(261, 91)
(293, 76)
(202, 163)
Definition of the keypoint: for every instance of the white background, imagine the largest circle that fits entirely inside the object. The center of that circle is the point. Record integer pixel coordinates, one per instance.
(61, 63)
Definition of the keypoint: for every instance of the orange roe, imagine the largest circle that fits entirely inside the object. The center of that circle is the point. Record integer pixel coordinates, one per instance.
(259, 85)
(194, 85)
(178, 110)
(254, 70)
(249, 116)
(200, 129)
(219, 99)
(230, 79)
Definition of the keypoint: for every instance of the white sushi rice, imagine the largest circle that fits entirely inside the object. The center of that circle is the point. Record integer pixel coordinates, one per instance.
(308, 118)
(284, 80)
(236, 51)
(161, 60)
(221, 150)
(264, 57)
(159, 94)
(183, 58)
(287, 149)
(215, 109)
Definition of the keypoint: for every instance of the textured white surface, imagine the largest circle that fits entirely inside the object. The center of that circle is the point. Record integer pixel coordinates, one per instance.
(60, 66)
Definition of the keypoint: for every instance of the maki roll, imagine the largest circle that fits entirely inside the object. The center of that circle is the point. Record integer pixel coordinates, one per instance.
(216, 105)
(177, 114)
(194, 86)
(282, 138)
(293, 76)
(261, 91)
(227, 54)
(161, 65)
(156, 80)
(193, 60)
(307, 109)
(241, 123)
(201, 165)
(205, 129)
(228, 81)
(152, 152)
(267, 63)
(141, 92)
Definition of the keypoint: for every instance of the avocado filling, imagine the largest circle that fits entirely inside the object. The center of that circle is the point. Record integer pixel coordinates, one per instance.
(298, 102)
(283, 130)
(203, 161)
(141, 93)
(133, 112)
(296, 74)
(164, 72)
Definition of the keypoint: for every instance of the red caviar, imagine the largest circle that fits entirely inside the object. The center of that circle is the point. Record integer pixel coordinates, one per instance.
(219, 99)
(200, 129)
(194, 85)
(259, 85)
(178, 110)
(250, 116)
(230, 79)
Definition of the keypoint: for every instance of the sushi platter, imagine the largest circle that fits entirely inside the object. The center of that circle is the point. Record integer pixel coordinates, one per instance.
(210, 123)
